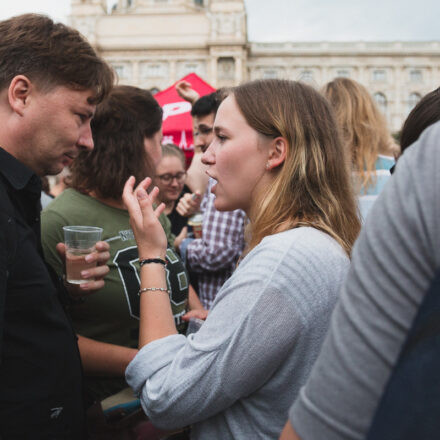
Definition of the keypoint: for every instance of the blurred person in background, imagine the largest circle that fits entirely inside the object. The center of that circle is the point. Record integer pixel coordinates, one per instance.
(170, 179)
(365, 133)
(424, 114)
(197, 178)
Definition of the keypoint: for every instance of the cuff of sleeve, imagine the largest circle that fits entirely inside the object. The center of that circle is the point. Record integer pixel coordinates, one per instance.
(151, 358)
(184, 247)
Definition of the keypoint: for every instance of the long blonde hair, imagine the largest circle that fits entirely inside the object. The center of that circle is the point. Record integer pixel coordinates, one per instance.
(363, 126)
(311, 186)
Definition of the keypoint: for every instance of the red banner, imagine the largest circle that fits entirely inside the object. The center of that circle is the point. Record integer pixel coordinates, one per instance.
(177, 121)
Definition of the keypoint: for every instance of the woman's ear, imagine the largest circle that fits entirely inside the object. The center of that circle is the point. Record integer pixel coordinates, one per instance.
(277, 153)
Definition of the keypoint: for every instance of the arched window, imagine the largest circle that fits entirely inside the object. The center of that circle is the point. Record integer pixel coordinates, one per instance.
(413, 99)
(381, 102)
(154, 90)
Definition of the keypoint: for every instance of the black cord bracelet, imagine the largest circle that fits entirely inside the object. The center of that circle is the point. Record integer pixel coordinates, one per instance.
(152, 260)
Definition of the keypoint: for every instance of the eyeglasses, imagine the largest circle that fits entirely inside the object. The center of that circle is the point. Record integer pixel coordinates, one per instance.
(168, 178)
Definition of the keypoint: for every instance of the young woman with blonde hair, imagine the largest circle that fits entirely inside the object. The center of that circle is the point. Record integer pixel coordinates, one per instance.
(366, 137)
(276, 155)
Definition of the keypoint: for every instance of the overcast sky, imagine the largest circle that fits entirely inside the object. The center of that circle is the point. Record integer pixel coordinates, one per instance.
(305, 20)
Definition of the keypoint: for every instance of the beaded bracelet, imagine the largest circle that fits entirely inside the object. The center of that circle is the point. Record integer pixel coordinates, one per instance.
(154, 289)
(152, 260)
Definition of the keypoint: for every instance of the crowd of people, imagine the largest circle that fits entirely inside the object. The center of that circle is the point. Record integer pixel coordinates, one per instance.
(305, 307)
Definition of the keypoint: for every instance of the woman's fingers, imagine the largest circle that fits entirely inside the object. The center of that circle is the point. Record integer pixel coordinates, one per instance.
(158, 211)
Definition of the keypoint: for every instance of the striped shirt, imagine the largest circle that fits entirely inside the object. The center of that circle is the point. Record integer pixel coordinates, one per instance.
(368, 196)
(214, 256)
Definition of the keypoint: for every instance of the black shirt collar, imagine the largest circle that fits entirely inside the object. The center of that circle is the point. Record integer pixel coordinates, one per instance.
(17, 174)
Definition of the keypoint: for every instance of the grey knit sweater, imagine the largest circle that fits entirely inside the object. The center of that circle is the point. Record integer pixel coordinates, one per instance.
(236, 377)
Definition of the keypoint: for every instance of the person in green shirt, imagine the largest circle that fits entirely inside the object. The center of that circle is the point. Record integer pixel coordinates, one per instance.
(127, 135)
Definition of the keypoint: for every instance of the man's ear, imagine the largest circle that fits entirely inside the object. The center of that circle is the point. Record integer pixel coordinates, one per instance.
(19, 92)
(277, 153)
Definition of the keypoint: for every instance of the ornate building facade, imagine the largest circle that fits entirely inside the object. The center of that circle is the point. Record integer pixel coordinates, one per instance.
(153, 43)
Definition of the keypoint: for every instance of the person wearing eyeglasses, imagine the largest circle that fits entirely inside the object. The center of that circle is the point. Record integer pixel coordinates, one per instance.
(170, 179)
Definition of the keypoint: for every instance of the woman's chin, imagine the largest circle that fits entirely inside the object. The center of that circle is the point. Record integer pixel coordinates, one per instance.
(222, 205)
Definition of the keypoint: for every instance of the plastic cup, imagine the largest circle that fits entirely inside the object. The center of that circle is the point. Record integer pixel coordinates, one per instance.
(195, 223)
(80, 241)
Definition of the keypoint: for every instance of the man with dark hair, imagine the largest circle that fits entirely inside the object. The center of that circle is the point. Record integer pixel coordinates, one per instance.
(50, 82)
(214, 256)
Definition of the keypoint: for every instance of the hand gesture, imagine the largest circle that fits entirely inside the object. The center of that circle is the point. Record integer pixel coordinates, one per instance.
(189, 204)
(144, 219)
(95, 275)
(186, 92)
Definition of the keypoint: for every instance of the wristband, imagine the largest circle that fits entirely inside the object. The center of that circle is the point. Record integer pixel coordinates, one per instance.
(152, 260)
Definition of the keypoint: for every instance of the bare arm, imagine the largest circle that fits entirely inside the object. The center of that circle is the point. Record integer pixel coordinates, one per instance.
(102, 359)
(289, 433)
(156, 318)
(186, 92)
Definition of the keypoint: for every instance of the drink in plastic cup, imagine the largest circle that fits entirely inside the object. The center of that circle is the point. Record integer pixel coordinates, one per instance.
(80, 241)
(195, 223)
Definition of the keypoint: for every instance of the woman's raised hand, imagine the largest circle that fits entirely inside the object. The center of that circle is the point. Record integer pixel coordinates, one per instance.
(144, 219)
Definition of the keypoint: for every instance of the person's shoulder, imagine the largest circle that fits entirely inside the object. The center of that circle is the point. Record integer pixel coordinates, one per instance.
(298, 247)
(302, 236)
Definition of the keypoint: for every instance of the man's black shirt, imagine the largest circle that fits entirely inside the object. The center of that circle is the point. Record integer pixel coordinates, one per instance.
(40, 370)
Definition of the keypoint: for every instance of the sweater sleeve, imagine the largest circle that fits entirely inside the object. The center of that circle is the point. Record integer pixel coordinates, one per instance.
(393, 263)
(184, 380)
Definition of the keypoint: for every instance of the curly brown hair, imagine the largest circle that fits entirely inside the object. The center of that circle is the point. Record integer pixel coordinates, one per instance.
(120, 126)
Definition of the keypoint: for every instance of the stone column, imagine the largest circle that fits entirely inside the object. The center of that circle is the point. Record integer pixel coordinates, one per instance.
(213, 71)
(135, 76)
(238, 70)
(173, 71)
(399, 108)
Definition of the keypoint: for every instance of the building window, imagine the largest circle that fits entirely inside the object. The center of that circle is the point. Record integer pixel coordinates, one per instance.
(343, 73)
(379, 75)
(413, 99)
(198, 2)
(270, 74)
(226, 68)
(120, 71)
(415, 76)
(306, 76)
(381, 102)
(154, 90)
(151, 70)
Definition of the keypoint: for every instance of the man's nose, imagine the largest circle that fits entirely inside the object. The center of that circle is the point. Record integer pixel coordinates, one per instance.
(86, 139)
